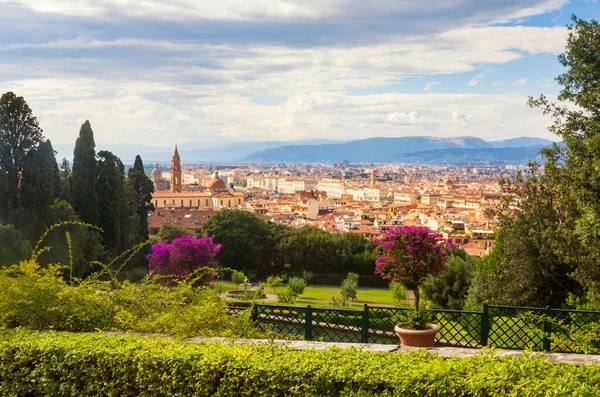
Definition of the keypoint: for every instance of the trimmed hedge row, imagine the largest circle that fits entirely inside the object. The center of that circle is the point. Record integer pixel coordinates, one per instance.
(64, 364)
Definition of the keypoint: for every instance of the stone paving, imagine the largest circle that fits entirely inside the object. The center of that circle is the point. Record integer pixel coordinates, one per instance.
(446, 352)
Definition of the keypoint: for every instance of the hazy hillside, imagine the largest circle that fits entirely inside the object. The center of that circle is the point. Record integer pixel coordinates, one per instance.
(524, 141)
(507, 155)
(365, 150)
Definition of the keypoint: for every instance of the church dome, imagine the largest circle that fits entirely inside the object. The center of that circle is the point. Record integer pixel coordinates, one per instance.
(156, 173)
(216, 183)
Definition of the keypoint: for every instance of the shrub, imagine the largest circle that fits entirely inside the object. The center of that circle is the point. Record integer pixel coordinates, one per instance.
(60, 364)
(349, 288)
(399, 293)
(338, 301)
(237, 277)
(39, 298)
(286, 296)
(183, 257)
(274, 282)
(408, 255)
(296, 285)
(449, 290)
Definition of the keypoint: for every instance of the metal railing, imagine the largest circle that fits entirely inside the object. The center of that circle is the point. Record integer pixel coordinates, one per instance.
(539, 329)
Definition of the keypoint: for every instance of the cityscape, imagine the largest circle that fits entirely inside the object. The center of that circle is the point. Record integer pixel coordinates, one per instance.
(299, 198)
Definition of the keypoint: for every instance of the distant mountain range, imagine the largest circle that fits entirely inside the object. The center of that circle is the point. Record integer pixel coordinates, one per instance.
(422, 149)
(414, 149)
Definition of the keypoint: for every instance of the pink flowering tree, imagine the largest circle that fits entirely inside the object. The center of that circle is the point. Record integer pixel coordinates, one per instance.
(186, 256)
(408, 254)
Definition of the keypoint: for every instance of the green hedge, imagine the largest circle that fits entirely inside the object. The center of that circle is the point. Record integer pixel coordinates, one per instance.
(65, 364)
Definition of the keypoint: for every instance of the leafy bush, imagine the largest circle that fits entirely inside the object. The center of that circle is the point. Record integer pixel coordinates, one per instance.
(237, 277)
(418, 319)
(399, 292)
(39, 298)
(449, 290)
(59, 364)
(274, 282)
(296, 285)
(286, 296)
(183, 257)
(349, 289)
(338, 301)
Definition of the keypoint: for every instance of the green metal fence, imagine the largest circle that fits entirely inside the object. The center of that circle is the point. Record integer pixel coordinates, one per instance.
(495, 326)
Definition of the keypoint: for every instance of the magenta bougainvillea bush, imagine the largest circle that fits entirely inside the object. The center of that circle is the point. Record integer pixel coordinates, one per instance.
(185, 256)
(408, 254)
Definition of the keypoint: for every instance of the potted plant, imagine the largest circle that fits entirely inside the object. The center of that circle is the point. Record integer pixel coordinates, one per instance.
(408, 255)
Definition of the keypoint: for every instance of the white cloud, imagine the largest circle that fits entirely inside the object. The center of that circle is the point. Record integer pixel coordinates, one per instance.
(520, 82)
(472, 83)
(430, 84)
(495, 84)
(260, 10)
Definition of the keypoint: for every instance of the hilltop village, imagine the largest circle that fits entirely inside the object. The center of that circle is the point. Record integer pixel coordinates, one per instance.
(338, 198)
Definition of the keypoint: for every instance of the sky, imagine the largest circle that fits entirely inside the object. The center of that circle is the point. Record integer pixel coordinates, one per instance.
(155, 72)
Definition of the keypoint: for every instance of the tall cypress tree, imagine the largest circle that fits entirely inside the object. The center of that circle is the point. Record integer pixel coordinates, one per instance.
(143, 189)
(110, 189)
(19, 133)
(40, 182)
(84, 194)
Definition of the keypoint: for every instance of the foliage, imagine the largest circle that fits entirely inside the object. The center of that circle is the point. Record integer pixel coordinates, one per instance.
(40, 183)
(418, 319)
(295, 288)
(19, 133)
(287, 296)
(112, 209)
(408, 255)
(307, 276)
(143, 188)
(86, 245)
(13, 247)
(572, 183)
(60, 364)
(170, 231)
(237, 277)
(399, 293)
(274, 282)
(296, 285)
(185, 256)
(242, 236)
(338, 301)
(449, 290)
(349, 287)
(36, 297)
(83, 191)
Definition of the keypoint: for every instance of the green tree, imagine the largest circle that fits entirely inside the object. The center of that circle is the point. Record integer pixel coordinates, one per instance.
(571, 167)
(349, 288)
(84, 193)
(13, 247)
(450, 289)
(242, 237)
(237, 277)
(65, 179)
(40, 181)
(112, 198)
(86, 244)
(19, 133)
(143, 188)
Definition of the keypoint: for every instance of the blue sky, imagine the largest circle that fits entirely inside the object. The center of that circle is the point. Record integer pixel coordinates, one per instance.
(155, 72)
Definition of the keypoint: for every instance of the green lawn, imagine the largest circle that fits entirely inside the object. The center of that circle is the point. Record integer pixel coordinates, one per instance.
(320, 295)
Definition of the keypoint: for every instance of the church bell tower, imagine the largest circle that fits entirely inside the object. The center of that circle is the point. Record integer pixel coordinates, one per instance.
(175, 172)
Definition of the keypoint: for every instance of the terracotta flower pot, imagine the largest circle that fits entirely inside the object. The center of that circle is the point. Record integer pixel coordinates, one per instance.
(416, 337)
